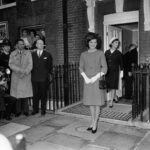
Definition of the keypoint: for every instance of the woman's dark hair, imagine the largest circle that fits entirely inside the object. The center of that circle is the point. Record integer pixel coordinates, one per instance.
(33, 31)
(38, 35)
(25, 30)
(90, 36)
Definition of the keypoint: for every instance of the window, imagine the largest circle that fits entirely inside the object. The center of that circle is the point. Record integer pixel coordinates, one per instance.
(4, 2)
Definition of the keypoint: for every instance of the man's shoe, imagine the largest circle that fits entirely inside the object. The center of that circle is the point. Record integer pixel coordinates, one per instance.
(17, 114)
(34, 112)
(8, 118)
(26, 114)
(43, 113)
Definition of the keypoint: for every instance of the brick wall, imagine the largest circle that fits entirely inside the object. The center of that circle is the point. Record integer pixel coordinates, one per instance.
(144, 38)
(77, 28)
(49, 14)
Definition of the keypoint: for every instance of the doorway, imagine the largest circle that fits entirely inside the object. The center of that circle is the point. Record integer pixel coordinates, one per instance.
(125, 27)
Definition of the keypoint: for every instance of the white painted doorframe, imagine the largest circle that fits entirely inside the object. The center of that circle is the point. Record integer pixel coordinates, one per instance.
(118, 18)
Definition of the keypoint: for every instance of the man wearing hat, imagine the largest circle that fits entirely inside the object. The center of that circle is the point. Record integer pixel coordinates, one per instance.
(115, 64)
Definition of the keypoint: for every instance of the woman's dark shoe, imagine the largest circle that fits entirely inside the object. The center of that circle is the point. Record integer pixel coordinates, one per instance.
(34, 112)
(89, 129)
(8, 118)
(94, 131)
(116, 100)
(110, 104)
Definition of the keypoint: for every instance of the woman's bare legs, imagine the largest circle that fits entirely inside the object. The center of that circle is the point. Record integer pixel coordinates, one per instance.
(92, 110)
(111, 96)
(115, 97)
(97, 112)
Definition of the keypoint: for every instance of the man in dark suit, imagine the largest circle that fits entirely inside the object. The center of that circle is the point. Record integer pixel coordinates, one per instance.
(129, 58)
(42, 69)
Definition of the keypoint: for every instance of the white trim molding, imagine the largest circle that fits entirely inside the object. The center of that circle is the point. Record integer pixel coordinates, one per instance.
(146, 15)
(8, 5)
(119, 5)
(121, 18)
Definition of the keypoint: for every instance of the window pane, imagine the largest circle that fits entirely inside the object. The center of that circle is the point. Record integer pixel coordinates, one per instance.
(7, 1)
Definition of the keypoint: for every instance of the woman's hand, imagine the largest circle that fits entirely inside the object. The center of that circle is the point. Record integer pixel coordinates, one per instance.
(96, 77)
(86, 79)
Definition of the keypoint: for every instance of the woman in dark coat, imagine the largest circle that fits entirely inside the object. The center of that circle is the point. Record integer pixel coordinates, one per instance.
(92, 66)
(115, 64)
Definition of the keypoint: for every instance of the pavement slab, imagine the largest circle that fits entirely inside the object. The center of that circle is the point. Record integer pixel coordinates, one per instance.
(144, 145)
(79, 129)
(129, 130)
(63, 132)
(43, 145)
(94, 147)
(12, 128)
(60, 121)
(117, 141)
(33, 120)
(66, 140)
(37, 133)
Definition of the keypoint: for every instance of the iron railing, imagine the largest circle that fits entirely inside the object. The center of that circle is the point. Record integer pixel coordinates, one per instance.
(141, 91)
(56, 99)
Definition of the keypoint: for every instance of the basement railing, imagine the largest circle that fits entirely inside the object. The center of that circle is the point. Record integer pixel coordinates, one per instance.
(141, 92)
(56, 99)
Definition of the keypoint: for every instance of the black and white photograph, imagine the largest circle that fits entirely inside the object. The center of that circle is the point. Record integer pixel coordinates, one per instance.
(74, 74)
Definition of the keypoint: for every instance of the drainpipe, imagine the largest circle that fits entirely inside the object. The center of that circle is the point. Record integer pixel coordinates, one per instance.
(65, 43)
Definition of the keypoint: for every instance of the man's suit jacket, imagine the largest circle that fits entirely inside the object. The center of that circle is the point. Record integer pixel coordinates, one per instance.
(42, 66)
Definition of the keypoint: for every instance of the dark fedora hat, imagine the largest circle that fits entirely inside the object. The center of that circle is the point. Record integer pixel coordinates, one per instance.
(6, 42)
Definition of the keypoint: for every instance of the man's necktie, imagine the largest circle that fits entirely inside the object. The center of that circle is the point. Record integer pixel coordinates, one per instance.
(39, 53)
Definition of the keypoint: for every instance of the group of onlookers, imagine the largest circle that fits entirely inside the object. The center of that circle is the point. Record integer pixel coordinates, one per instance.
(24, 74)
(31, 36)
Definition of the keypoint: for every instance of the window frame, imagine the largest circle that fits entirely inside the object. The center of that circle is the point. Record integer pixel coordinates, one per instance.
(3, 6)
(4, 25)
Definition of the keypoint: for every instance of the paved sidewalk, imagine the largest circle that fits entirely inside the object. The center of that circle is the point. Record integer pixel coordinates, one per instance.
(63, 132)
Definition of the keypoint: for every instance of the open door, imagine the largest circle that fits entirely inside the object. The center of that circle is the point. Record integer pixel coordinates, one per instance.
(112, 31)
